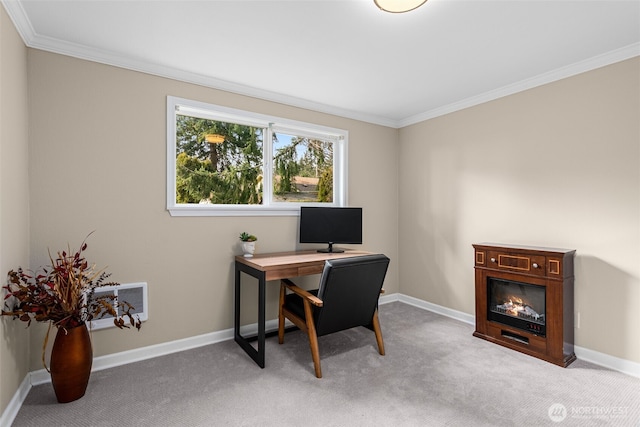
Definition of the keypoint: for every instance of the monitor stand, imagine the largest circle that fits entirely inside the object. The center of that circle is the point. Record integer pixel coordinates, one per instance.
(330, 249)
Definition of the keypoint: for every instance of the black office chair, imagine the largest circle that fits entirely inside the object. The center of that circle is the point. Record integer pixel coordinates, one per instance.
(347, 297)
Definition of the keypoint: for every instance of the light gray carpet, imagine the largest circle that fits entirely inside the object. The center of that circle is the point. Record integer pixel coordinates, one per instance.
(435, 373)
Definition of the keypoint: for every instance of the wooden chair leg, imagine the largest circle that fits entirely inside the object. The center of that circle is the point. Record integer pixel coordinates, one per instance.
(378, 332)
(281, 315)
(313, 338)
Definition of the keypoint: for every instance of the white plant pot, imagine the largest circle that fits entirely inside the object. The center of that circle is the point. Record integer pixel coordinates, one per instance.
(248, 248)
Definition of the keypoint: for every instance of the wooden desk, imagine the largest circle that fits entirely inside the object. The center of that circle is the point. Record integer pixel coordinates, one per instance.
(275, 266)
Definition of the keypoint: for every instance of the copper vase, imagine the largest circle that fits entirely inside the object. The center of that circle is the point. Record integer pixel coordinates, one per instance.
(71, 359)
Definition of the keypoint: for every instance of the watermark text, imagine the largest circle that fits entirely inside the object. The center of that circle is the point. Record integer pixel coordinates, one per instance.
(558, 412)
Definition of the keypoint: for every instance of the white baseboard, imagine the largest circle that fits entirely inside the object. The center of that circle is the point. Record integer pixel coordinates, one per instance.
(601, 359)
(41, 376)
(445, 311)
(607, 361)
(117, 359)
(9, 414)
(385, 299)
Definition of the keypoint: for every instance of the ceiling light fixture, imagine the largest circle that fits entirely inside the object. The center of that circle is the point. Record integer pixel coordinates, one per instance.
(399, 6)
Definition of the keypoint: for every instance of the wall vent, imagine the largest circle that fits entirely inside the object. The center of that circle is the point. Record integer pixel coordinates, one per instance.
(134, 293)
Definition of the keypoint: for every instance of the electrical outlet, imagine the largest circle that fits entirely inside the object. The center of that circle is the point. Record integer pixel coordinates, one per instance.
(577, 320)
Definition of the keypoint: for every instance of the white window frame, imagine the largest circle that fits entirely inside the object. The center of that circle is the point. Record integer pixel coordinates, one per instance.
(271, 124)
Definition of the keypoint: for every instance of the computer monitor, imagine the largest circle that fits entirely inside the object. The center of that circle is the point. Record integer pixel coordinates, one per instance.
(330, 225)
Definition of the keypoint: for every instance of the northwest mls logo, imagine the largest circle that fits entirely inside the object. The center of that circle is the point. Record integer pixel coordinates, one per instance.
(557, 412)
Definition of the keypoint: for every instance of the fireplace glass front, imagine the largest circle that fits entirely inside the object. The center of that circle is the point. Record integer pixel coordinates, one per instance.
(520, 305)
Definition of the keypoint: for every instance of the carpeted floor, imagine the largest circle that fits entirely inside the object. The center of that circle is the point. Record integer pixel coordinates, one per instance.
(435, 373)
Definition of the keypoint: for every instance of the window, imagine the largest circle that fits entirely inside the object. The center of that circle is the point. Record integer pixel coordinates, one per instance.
(222, 161)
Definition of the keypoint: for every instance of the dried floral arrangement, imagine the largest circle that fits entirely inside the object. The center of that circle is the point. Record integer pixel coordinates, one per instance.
(63, 294)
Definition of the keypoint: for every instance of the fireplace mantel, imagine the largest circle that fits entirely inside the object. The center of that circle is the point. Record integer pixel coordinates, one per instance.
(547, 335)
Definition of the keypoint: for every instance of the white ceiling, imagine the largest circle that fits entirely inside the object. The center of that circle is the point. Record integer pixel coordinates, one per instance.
(343, 57)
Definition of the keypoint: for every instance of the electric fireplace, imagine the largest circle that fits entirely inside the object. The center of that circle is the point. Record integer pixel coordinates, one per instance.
(524, 300)
(517, 304)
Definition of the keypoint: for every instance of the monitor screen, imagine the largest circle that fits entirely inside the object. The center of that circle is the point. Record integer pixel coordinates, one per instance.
(330, 225)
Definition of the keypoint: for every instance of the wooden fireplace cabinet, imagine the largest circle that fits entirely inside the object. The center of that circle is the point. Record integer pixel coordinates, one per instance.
(548, 267)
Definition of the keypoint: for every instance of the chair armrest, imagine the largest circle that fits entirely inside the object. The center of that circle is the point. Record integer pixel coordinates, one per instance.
(301, 292)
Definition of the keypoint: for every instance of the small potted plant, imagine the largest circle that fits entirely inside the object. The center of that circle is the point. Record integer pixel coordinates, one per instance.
(248, 244)
(63, 294)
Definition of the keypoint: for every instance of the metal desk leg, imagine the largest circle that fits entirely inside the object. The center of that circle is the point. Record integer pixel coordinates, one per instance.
(256, 355)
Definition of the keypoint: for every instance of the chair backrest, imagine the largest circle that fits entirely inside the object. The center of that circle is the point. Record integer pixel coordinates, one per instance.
(349, 289)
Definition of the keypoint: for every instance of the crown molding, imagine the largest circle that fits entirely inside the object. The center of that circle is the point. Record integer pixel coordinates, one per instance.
(109, 58)
(599, 61)
(19, 18)
(33, 40)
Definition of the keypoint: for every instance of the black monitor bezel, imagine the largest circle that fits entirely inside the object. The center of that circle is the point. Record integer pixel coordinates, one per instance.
(304, 237)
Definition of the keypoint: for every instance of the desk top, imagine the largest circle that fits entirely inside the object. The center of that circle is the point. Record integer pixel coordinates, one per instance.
(293, 264)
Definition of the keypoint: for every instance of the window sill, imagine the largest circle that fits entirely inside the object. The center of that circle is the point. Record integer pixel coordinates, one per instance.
(233, 210)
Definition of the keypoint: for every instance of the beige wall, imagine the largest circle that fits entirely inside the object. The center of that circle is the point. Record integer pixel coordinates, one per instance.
(98, 162)
(558, 165)
(14, 198)
(554, 166)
